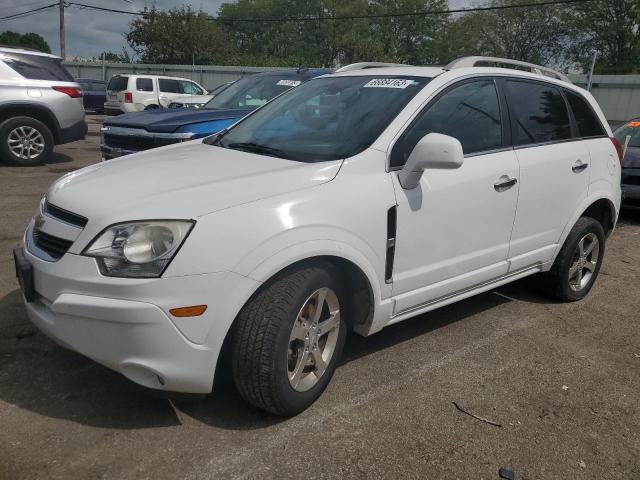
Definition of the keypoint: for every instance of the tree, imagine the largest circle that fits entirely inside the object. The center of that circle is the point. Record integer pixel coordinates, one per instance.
(611, 28)
(113, 57)
(25, 40)
(538, 35)
(178, 36)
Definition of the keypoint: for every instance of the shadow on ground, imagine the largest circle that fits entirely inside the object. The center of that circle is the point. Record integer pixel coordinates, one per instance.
(38, 375)
(55, 159)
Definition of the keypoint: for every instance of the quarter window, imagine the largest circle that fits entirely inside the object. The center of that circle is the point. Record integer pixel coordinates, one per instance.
(588, 123)
(469, 112)
(144, 84)
(539, 113)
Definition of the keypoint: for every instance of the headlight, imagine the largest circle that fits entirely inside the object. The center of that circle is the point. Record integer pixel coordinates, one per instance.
(138, 249)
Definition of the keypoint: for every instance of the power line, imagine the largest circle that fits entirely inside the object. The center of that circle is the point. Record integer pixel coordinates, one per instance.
(353, 17)
(35, 10)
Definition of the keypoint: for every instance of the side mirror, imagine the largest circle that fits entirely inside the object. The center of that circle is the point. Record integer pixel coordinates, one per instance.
(434, 150)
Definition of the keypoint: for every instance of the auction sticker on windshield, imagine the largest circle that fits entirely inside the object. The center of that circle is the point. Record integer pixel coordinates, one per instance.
(388, 83)
(289, 83)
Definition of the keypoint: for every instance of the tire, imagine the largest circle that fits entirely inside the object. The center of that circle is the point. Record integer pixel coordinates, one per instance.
(15, 131)
(562, 281)
(268, 356)
(151, 107)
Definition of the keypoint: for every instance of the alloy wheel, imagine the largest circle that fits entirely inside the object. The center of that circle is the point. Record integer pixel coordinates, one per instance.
(313, 339)
(585, 261)
(26, 142)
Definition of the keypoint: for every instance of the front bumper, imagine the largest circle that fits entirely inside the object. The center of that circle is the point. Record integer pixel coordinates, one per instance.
(125, 324)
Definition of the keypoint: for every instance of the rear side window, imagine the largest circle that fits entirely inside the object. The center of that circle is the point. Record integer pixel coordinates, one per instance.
(469, 112)
(37, 67)
(118, 84)
(99, 86)
(144, 84)
(588, 123)
(169, 86)
(539, 113)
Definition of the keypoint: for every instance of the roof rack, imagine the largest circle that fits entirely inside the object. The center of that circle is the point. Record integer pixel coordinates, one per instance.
(506, 63)
(365, 65)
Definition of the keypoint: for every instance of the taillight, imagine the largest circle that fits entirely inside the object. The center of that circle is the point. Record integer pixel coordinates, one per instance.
(619, 149)
(128, 97)
(73, 92)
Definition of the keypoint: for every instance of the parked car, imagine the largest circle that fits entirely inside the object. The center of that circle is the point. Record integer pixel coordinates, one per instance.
(134, 93)
(94, 94)
(141, 131)
(40, 106)
(198, 101)
(352, 202)
(631, 162)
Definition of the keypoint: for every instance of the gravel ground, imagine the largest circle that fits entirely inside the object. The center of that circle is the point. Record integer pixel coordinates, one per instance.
(562, 380)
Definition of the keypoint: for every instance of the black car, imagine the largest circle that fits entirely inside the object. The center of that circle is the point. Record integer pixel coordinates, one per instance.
(95, 94)
(630, 162)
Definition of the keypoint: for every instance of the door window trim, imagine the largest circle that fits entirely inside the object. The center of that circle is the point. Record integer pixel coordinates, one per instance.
(502, 105)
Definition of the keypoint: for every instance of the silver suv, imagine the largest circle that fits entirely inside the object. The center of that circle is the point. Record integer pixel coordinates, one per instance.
(40, 106)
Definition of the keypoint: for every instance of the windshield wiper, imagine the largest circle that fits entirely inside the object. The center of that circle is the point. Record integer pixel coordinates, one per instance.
(255, 148)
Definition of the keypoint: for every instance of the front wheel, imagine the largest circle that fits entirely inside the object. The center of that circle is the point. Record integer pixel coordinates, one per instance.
(577, 266)
(287, 340)
(25, 141)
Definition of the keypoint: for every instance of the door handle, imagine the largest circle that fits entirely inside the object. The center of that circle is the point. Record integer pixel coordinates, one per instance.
(504, 183)
(579, 166)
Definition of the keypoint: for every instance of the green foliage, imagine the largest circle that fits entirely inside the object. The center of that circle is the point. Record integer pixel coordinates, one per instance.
(611, 28)
(25, 40)
(112, 57)
(559, 35)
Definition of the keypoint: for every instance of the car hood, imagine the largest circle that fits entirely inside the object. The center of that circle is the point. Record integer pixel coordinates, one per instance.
(170, 119)
(631, 158)
(180, 181)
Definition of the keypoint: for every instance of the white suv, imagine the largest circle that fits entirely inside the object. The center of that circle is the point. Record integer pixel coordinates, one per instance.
(355, 201)
(133, 93)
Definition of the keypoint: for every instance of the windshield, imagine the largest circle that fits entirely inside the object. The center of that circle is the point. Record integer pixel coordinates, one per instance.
(251, 92)
(324, 119)
(631, 129)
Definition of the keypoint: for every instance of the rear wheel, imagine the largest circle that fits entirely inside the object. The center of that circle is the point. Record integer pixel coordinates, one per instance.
(151, 107)
(288, 339)
(25, 141)
(578, 263)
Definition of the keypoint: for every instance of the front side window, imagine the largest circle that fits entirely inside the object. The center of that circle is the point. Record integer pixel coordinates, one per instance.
(167, 85)
(37, 67)
(539, 113)
(144, 84)
(469, 112)
(586, 119)
(190, 88)
(251, 92)
(324, 119)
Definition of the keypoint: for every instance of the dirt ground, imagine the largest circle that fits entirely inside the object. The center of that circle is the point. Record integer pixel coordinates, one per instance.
(562, 380)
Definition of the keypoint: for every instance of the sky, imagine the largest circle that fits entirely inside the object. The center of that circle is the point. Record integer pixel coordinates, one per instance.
(91, 32)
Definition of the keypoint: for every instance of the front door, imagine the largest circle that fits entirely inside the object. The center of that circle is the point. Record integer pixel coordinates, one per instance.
(453, 230)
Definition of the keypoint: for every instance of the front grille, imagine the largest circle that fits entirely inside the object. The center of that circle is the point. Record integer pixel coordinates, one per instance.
(135, 143)
(64, 215)
(54, 246)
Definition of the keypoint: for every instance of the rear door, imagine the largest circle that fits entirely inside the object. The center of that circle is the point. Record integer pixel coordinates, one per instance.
(169, 88)
(554, 169)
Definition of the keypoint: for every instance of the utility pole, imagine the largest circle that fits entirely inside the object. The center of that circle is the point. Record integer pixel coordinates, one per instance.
(62, 53)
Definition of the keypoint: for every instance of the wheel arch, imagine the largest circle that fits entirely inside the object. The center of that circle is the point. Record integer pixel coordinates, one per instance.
(601, 206)
(38, 112)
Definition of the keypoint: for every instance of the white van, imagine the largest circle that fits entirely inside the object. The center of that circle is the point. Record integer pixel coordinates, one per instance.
(133, 93)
